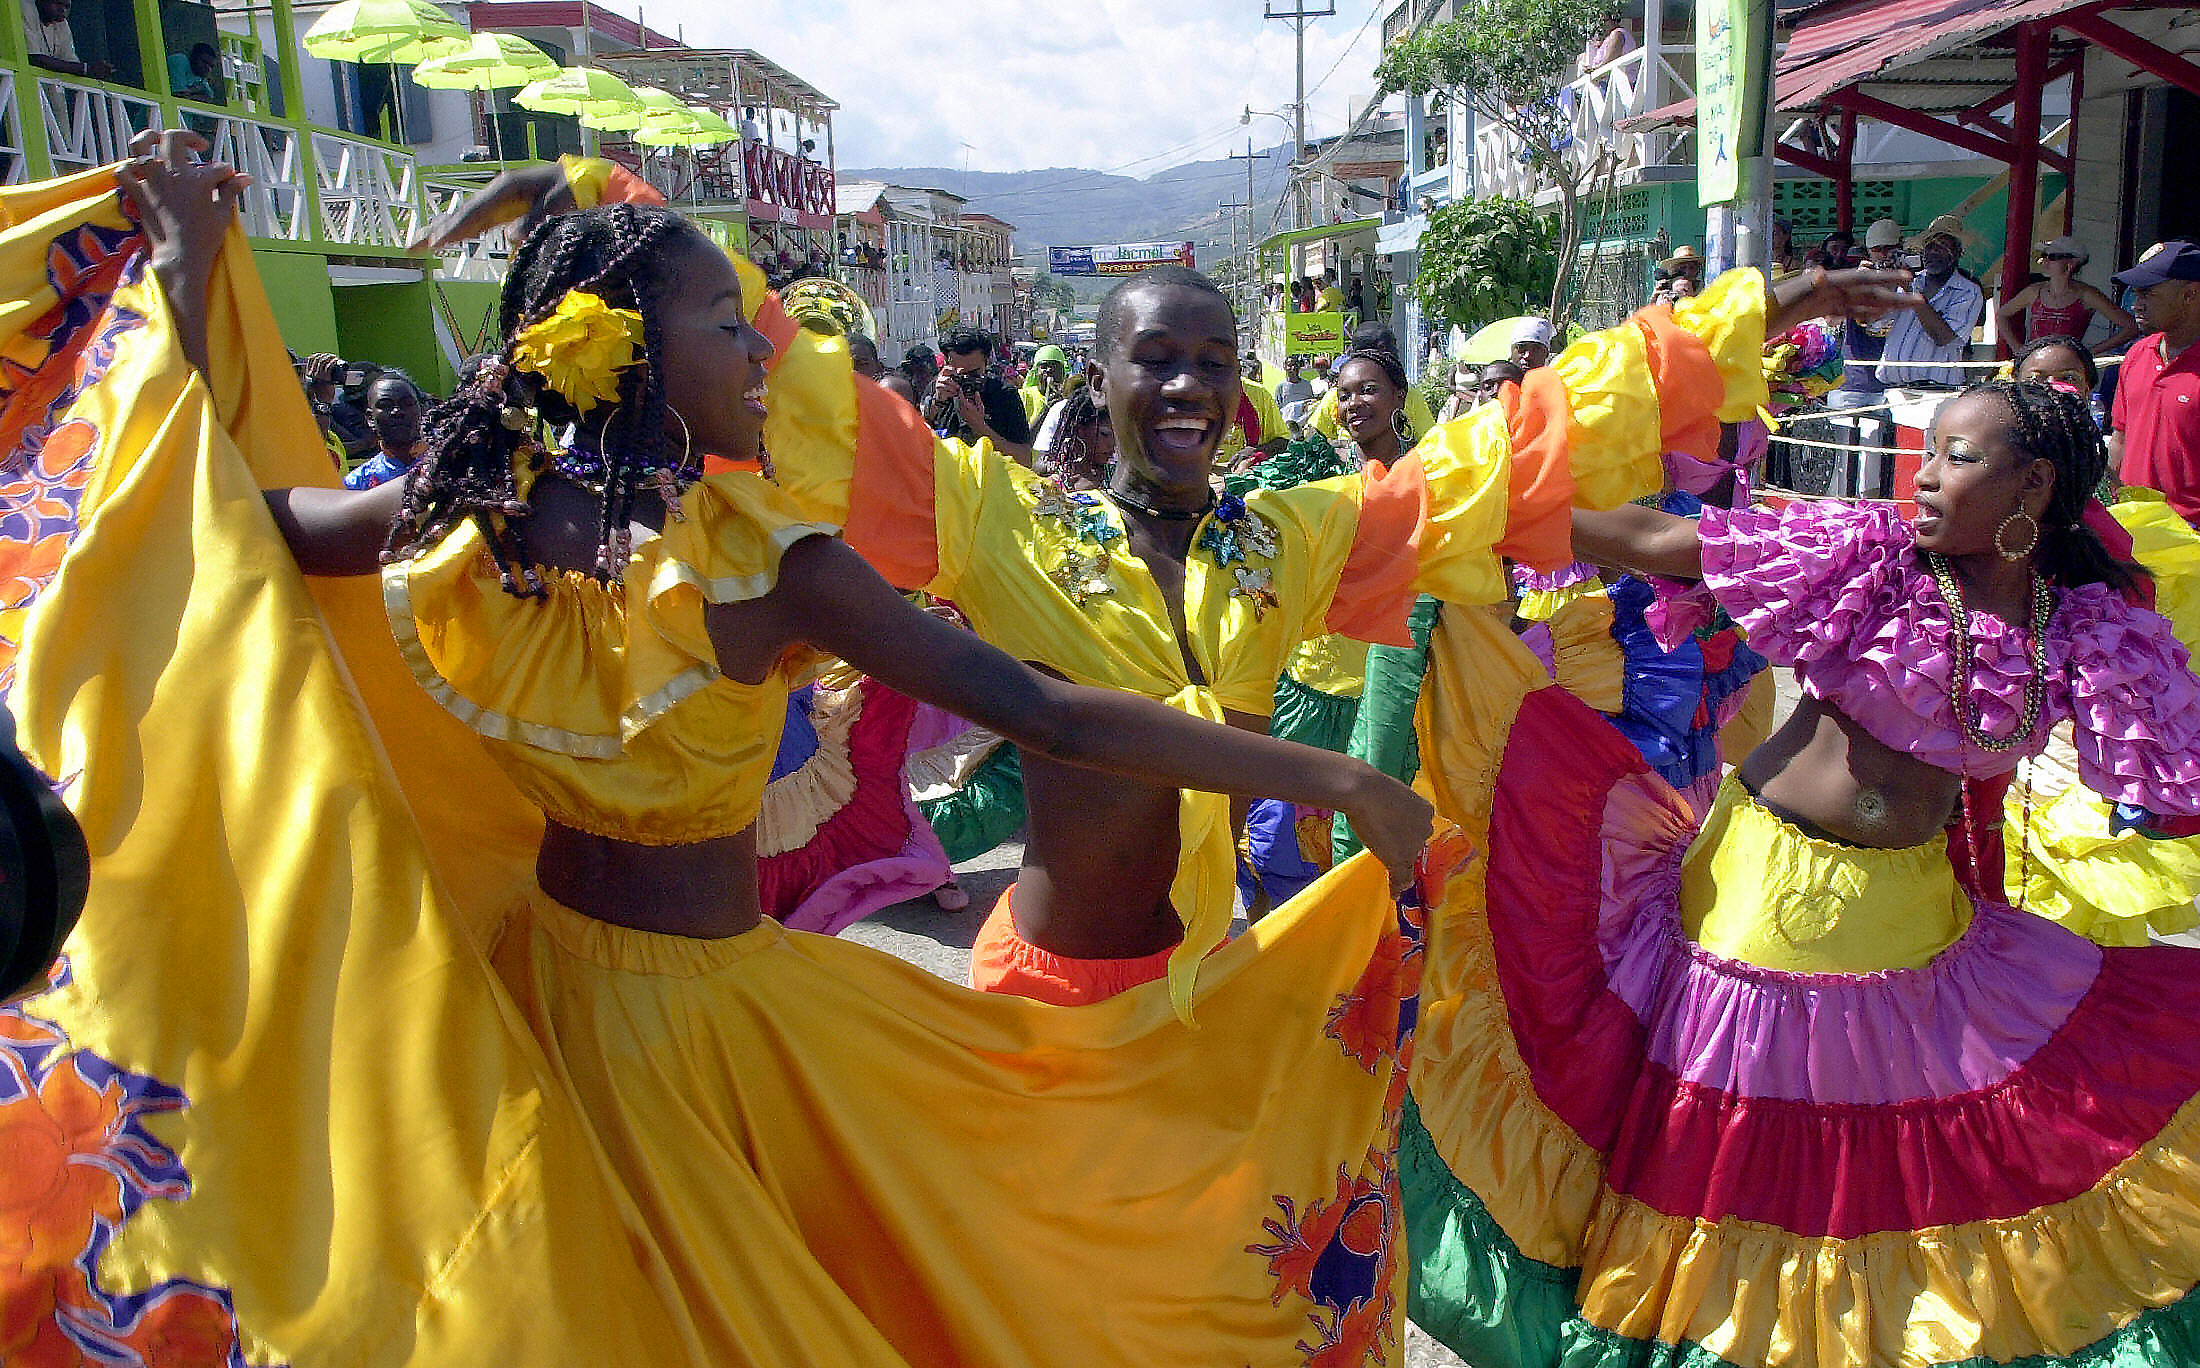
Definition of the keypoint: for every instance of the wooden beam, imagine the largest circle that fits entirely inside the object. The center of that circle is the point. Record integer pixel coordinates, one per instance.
(1955, 135)
(1816, 163)
(2122, 42)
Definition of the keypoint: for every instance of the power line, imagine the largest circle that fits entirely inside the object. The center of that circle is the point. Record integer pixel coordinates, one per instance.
(1356, 37)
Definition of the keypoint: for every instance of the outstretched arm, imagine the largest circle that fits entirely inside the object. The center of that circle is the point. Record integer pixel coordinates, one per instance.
(336, 531)
(1632, 537)
(829, 597)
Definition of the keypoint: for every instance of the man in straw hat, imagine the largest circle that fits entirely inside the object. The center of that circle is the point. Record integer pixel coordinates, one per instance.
(1681, 275)
(1945, 306)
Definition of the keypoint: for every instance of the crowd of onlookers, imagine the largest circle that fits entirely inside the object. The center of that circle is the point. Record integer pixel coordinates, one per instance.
(371, 417)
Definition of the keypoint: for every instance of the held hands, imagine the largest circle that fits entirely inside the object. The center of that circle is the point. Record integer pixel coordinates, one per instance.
(1820, 293)
(184, 205)
(1394, 821)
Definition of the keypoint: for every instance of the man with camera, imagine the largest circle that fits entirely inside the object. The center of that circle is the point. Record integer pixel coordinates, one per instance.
(970, 403)
(1936, 327)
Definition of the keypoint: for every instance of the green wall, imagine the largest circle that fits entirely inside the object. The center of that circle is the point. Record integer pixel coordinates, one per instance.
(392, 324)
(298, 289)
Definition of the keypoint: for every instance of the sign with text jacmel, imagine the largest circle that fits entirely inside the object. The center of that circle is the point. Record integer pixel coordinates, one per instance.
(1116, 258)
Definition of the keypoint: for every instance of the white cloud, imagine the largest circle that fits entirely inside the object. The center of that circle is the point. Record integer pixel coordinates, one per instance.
(1028, 85)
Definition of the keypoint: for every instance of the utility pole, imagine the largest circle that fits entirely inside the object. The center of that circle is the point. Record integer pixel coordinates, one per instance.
(1248, 156)
(1299, 16)
(1231, 207)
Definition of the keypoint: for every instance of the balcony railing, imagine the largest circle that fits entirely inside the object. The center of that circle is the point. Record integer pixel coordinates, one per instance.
(786, 188)
(370, 196)
(277, 205)
(480, 258)
(90, 125)
(1593, 108)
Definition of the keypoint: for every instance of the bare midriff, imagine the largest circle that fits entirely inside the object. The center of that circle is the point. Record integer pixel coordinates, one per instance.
(1829, 776)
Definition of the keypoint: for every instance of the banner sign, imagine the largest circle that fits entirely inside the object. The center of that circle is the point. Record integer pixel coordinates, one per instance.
(1733, 45)
(1313, 334)
(1116, 258)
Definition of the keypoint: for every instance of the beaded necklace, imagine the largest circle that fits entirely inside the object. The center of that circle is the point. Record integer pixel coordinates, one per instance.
(1959, 690)
(1233, 534)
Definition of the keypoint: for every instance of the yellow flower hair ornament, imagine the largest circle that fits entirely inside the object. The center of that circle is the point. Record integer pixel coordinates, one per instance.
(580, 348)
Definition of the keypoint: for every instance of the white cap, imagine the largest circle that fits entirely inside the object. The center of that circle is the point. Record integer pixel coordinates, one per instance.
(1885, 233)
(2066, 246)
(1536, 330)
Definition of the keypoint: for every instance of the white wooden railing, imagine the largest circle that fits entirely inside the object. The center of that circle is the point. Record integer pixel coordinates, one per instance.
(369, 192)
(88, 126)
(13, 169)
(481, 258)
(1592, 109)
(276, 205)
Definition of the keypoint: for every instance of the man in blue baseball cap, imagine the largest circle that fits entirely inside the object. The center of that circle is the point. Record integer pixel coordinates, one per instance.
(2156, 442)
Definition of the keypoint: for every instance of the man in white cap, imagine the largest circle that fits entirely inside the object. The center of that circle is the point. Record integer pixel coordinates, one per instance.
(1861, 347)
(1531, 343)
(1936, 327)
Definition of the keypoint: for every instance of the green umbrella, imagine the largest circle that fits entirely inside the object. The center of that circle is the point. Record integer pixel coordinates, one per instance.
(492, 61)
(655, 104)
(581, 91)
(695, 127)
(384, 31)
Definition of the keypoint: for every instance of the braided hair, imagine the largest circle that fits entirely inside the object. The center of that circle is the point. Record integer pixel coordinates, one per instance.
(1071, 457)
(2056, 426)
(1393, 370)
(619, 253)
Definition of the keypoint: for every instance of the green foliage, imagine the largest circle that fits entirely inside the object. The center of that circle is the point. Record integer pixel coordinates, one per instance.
(1486, 259)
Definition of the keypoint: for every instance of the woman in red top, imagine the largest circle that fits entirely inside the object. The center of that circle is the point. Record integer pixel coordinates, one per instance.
(2063, 306)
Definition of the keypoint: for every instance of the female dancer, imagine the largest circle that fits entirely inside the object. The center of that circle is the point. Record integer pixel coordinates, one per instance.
(686, 1134)
(1780, 1089)
(1318, 695)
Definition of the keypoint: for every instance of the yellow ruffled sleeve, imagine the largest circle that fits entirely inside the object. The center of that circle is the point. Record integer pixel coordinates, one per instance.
(1589, 430)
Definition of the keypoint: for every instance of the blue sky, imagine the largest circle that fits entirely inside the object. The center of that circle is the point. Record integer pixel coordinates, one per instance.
(1103, 83)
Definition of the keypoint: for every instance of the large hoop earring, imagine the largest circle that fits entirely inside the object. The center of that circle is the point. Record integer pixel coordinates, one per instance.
(1398, 425)
(687, 441)
(2031, 543)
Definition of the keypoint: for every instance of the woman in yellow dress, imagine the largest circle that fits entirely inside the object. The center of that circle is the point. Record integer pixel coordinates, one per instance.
(421, 1034)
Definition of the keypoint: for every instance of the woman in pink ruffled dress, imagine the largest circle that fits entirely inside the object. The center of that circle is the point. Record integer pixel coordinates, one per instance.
(1785, 1086)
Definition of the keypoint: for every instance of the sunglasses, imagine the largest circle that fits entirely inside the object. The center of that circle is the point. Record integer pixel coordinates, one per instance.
(2058, 256)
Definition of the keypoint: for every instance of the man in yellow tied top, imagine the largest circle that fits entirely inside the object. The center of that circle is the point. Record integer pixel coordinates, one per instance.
(1155, 585)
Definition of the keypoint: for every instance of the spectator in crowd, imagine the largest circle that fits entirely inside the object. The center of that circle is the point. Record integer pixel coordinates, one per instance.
(1862, 344)
(2058, 304)
(394, 405)
(1782, 262)
(197, 74)
(1945, 306)
(324, 379)
(1839, 247)
(1616, 42)
(1046, 384)
(1377, 338)
(1681, 275)
(51, 43)
(1495, 376)
(897, 383)
(1329, 299)
(751, 132)
(1531, 343)
(1295, 388)
(970, 403)
(920, 364)
(1321, 377)
(1463, 394)
(863, 355)
(2156, 421)
(1357, 299)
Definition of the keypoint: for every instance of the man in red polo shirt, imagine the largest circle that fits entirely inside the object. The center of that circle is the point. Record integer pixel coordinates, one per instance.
(2157, 417)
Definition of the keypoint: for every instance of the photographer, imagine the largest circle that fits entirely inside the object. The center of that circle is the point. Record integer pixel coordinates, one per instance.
(969, 402)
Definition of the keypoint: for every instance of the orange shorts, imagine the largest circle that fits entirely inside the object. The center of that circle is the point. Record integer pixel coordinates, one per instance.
(1001, 961)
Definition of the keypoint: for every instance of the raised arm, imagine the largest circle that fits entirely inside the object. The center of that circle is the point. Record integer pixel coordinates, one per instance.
(336, 531)
(506, 199)
(829, 597)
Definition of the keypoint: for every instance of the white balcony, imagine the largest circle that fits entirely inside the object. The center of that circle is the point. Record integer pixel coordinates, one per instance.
(1593, 108)
(90, 125)
(481, 258)
(369, 192)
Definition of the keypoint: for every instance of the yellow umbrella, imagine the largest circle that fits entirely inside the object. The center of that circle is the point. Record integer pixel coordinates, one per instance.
(579, 91)
(695, 127)
(655, 104)
(492, 61)
(384, 31)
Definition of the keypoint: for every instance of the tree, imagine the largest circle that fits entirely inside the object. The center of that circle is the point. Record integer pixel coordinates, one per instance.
(1508, 61)
(1485, 259)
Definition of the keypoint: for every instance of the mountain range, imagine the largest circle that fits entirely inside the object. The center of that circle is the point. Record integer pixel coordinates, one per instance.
(1068, 206)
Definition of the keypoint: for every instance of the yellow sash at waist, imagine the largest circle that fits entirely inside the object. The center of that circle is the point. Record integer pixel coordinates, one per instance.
(1755, 888)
